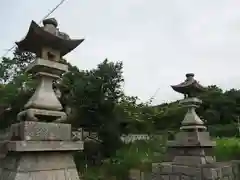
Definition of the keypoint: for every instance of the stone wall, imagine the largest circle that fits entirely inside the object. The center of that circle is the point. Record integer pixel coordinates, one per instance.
(221, 171)
(136, 174)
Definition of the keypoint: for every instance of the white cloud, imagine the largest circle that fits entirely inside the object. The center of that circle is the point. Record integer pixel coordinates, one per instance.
(157, 40)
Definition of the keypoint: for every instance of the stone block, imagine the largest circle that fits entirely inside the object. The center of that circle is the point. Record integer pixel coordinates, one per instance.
(8, 175)
(55, 54)
(166, 168)
(71, 174)
(155, 171)
(211, 173)
(165, 177)
(174, 177)
(135, 174)
(43, 65)
(186, 170)
(33, 114)
(214, 171)
(34, 146)
(193, 151)
(146, 176)
(39, 166)
(189, 160)
(226, 170)
(171, 153)
(41, 131)
(236, 168)
(155, 166)
(38, 163)
(192, 139)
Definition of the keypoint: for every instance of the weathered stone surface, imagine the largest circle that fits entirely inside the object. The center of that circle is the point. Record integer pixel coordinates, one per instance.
(41, 115)
(200, 139)
(40, 149)
(191, 152)
(41, 131)
(50, 54)
(213, 171)
(44, 65)
(29, 146)
(39, 37)
(39, 166)
(186, 170)
(192, 160)
(71, 174)
(44, 96)
(135, 174)
(37, 161)
(236, 168)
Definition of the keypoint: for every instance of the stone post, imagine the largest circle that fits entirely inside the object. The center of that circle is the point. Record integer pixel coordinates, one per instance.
(40, 145)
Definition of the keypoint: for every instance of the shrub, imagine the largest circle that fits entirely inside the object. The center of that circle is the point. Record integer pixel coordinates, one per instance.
(223, 130)
(227, 149)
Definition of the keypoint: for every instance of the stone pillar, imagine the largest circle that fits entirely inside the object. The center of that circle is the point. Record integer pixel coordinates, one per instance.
(40, 145)
(192, 158)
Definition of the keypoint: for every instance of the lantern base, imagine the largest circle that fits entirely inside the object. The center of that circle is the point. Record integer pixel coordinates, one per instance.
(42, 115)
(39, 166)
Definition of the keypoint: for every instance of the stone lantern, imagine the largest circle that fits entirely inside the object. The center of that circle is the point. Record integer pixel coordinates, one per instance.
(193, 142)
(49, 45)
(192, 149)
(40, 144)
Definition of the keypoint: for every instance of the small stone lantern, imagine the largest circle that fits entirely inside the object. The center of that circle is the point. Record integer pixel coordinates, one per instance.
(192, 147)
(193, 141)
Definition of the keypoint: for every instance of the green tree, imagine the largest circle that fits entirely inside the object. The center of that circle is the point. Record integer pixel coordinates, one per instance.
(93, 96)
(16, 85)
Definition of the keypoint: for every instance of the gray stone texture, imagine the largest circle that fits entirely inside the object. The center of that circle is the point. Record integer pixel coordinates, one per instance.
(215, 171)
(43, 114)
(193, 143)
(25, 146)
(45, 65)
(41, 131)
(39, 146)
(39, 166)
(44, 96)
(191, 153)
(136, 174)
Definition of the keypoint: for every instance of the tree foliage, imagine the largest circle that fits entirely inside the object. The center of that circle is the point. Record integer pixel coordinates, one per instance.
(94, 99)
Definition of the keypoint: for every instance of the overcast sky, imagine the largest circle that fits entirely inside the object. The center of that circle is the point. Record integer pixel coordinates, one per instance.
(159, 41)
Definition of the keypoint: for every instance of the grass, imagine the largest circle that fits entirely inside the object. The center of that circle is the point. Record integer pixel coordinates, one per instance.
(227, 149)
(141, 154)
(138, 155)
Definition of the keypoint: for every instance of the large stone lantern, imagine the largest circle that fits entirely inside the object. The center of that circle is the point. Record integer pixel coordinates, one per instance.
(40, 144)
